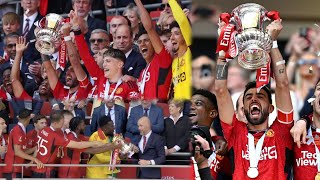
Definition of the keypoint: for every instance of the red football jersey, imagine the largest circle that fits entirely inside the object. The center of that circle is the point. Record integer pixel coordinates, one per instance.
(32, 139)
(125, 92)
(157, 77)
(273, 154)
(305, 159)
(48, 142)
(71, 156)
(60, 92)
(17, 136)
(3, 142)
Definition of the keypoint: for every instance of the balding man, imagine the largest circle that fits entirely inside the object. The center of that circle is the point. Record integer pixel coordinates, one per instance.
(115, 22)
(151, 152)
(135, 63)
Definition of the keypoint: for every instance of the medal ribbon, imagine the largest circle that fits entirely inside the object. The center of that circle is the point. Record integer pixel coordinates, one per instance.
(144, 78)
(254, 152)
(106, 90)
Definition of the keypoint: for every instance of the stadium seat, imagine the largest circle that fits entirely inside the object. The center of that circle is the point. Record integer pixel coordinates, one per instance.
(165, 109)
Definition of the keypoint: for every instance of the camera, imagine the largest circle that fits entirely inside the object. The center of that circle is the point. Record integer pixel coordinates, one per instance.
(204, 132)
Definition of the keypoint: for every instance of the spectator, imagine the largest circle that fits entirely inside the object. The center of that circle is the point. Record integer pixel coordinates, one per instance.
(176, 129)
(181, 40)
(82, 8)
(115, 22)
(104, 135)
(17, 148)
(116, 112)
(153, 112)
(154, 81)
(132, 13)
(10, 24)
(239, 110)
(99, 40)
(135, 62)
(30, 16)
(3, 141)
(49, 138)
(151, 152)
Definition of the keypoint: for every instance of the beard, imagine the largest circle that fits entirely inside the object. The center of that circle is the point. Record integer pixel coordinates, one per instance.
(262, 119)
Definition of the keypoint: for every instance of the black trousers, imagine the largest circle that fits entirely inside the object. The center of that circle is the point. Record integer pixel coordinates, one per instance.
(51, 174)
(9, 176)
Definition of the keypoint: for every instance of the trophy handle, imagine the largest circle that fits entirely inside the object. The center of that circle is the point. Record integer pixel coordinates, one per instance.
(225, 17)
(273, 15)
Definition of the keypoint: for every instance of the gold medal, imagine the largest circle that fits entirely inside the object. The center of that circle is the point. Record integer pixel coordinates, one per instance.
(317, 177)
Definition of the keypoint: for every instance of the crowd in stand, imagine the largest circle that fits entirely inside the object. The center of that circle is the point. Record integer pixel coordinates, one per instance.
(121, 77)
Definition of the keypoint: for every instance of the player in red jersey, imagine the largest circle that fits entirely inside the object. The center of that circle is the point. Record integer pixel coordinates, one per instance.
(108, 83)
(17, 148)
(259, 151)
(307, 155)
(18, 89)
(39, 122)
(3, 142)
(49, 139)
(154, 81)
(72, 156)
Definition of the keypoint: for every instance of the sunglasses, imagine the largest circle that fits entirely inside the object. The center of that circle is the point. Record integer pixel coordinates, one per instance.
(98, 40)
(163, 6)
(307, 62)
(11, 45)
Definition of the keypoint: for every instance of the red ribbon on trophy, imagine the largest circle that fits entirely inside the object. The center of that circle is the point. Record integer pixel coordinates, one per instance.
(115, 152)
(62, 52)
(263, 76)
(226, 41)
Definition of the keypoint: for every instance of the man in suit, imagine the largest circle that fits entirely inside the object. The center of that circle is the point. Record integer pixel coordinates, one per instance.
(30, 16)
(116, 112)
(82, 8)
(153, 112)
(135, 62)
(151, 147)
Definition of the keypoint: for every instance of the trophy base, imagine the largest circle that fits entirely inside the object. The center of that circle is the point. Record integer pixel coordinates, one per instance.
(253, 58)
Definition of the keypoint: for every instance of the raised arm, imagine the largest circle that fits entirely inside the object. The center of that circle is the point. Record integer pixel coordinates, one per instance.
(147, 24)
(52, 76)
(282, 92)
(15, 71)
(223, 96)
(74, 56)
(182, 20)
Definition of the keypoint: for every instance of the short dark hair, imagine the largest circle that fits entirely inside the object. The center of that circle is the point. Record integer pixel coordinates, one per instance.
(253, 84)
(104, 120)
(174, 24)
(24, 113)
(141, 32)
(38, 118)
(11, 35)
(207, 94)
(74, 123)
(115, 53)
(56, 116)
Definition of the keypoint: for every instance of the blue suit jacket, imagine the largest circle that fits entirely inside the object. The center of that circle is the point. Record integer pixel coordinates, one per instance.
(134, 64)
(156, 119)
(120, 118)
(31, 53)
(154, 150)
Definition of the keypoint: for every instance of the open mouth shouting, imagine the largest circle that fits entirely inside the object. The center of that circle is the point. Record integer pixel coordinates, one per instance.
(193, 116)
(255, 110)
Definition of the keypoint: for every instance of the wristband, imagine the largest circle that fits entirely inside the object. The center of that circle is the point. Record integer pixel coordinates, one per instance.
(67, 38)
(280, 62)
(274, 44)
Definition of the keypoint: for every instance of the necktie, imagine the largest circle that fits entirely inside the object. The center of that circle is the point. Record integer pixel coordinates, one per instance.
(144, 142)
(109, 112)
(146, 112)
(26, 28)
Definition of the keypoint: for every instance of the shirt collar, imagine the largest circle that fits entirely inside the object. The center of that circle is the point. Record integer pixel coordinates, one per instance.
(108, 108)
(128, 53)
(32, 18)
(22, 126)
(148, 135)
(171, 117)
(75, 134)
